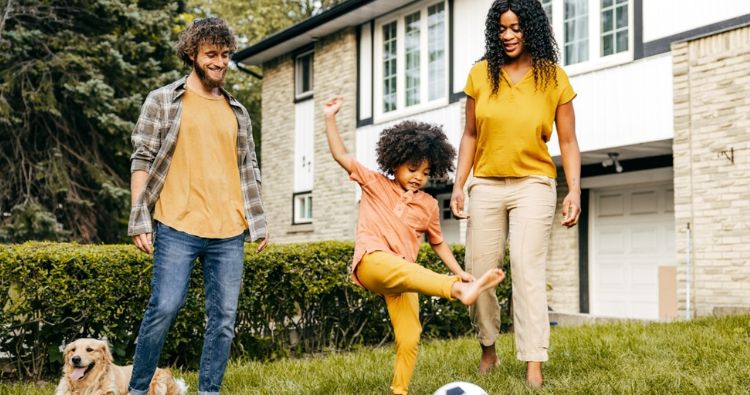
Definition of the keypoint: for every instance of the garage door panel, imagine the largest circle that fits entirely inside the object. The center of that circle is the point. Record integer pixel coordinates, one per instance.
(632, 234)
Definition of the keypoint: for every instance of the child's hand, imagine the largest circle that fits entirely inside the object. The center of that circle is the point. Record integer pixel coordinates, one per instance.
(466, 277)
(332, 106)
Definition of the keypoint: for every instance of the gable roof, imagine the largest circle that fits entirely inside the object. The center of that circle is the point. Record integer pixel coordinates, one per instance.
(348, 13)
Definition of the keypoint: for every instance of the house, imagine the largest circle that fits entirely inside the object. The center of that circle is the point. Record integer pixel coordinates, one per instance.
(663, 120)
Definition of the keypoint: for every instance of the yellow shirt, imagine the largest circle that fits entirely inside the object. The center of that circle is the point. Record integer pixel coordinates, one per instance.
(202, 194)
(513, 126)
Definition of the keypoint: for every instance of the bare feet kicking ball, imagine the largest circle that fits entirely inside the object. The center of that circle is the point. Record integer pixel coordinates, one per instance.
(468, 293)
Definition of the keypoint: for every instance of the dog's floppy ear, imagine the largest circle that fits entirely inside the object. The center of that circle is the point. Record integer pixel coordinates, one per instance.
(69, 348)
(106, 351)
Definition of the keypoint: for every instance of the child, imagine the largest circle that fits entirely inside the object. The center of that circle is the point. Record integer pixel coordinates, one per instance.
(393, 215)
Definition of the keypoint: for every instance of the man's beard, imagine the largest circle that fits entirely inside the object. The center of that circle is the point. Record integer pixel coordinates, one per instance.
(208, 82)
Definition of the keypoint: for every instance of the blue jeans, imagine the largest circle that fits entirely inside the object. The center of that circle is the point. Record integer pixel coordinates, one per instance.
(174, 255)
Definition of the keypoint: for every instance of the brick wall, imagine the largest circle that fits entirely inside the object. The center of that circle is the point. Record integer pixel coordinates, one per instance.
(334, 205)
(712, 194)
(562, 259)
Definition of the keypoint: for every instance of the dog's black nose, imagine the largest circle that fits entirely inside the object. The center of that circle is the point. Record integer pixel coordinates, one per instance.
(76, 360)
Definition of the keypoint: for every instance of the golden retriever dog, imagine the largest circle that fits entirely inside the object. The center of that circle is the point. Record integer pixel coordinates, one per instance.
(88, 370)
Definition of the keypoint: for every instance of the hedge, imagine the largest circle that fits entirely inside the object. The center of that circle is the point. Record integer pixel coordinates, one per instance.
(296, 299)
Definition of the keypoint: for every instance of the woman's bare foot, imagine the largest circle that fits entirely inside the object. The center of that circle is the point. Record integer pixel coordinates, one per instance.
(468, 293)
(489, 359)
(534, 377)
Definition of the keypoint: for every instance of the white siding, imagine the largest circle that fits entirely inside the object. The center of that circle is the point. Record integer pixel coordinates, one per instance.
(623, 105)
(664, 18)
(468, 37)
(303, 145)
(365, 72)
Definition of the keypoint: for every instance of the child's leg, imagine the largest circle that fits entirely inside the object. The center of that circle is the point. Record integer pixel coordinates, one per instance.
(404, 312)
(386, 273)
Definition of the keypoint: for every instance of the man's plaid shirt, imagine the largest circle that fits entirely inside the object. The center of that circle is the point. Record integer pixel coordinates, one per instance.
(154, 139)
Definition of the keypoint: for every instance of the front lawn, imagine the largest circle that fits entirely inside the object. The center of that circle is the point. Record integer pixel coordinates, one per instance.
(703, 356)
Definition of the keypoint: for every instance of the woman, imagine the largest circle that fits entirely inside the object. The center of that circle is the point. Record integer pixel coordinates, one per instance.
(515, 93)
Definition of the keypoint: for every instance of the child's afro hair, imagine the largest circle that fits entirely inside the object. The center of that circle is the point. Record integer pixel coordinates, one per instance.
(412, 142)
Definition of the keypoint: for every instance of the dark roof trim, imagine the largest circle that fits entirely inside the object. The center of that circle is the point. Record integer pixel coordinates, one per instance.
(295, 30)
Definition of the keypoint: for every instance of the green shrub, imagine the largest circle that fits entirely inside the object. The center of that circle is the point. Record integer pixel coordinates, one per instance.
(296, 299)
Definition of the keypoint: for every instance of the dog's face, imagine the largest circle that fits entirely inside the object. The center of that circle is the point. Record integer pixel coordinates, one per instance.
(84, 355)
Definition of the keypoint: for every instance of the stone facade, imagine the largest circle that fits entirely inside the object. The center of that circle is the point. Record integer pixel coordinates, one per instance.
(712, 169)
(562, 259)
(334, 204)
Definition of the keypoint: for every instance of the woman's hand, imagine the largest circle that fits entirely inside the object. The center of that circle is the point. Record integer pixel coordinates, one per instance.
(457, 204)
(571, 209)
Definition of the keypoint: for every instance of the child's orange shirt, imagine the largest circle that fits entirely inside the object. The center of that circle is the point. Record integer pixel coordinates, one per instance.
(391, 219)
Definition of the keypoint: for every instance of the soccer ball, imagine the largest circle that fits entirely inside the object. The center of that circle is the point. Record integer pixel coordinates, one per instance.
(460, 388)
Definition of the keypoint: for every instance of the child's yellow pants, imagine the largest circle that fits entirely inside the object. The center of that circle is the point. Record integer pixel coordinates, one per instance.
(399, 281)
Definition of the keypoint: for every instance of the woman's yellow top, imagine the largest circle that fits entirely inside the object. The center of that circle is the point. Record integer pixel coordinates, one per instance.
(514, 125)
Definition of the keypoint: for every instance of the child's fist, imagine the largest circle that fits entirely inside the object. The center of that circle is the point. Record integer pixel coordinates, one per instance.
(332, 106)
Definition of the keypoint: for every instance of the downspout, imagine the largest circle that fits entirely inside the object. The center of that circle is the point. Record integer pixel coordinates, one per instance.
(689, 273)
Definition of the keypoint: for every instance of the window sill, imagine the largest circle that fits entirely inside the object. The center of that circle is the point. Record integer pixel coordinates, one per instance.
(301, 228)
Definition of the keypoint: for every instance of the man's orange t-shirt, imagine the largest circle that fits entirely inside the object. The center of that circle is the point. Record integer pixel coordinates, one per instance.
(391, 219)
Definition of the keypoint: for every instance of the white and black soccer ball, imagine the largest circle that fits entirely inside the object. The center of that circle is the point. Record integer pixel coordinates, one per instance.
(460, 388)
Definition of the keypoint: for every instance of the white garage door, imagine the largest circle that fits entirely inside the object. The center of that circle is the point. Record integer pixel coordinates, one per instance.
(632, 234)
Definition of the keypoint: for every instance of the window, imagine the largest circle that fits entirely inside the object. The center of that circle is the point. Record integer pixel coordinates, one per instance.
(576, 23)
(446, 209)
(303, 208)
(614, 26)
(303, 79)
(411, 70)
(389, 67)
(547, 6)
(592, 33)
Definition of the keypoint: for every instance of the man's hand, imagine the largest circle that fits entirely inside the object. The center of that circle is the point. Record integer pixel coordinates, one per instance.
(144, 242)
(263, 244)
(457, 204)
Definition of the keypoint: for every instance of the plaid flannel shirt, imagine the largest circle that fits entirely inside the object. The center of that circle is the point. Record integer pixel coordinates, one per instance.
(154, 139)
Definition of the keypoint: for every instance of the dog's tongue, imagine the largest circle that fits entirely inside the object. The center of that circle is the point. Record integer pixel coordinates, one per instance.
(77, 373)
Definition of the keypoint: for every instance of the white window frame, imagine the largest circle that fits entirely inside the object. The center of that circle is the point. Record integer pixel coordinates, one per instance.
(298, 94)
(595, 61)
(302, 208)
(424, 103)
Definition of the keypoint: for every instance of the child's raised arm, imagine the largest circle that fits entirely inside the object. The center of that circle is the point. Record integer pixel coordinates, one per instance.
(335, 143)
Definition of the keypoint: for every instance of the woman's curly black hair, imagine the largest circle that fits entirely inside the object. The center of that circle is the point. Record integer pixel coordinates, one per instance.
(412, 142)
(539, 41)
(213, 31)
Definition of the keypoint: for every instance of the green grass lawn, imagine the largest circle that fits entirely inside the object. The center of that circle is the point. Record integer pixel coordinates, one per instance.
(703, 356)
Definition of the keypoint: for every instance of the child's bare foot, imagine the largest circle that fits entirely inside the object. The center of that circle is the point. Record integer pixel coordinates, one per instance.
(534, 378)
(468, 293)
(489, 359)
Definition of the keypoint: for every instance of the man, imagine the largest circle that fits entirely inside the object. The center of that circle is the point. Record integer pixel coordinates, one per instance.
(196, 188)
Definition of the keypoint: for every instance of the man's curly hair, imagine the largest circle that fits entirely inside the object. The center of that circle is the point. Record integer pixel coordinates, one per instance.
(538, 39)
(212, 31)
(412, 142)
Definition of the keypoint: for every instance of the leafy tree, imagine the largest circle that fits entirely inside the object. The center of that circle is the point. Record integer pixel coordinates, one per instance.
(73, 75)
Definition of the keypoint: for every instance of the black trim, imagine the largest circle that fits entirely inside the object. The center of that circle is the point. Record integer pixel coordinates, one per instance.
(372, 70)
(294, 198)
(456, 96)
(652, 162)
(358, 34)
(295, 30)
(450, 51)
(637, 29)
(364, 122)
(583, 253)
(662, 45)
(245, 70)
